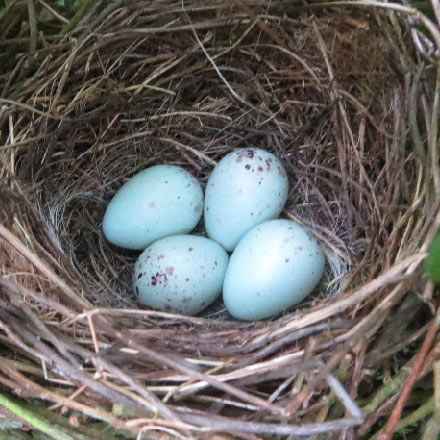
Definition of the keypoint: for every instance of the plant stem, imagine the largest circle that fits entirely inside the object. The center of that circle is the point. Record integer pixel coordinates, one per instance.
(13, 435)
(393, 421)
(388, 389)
(52, 425)
(32, 26)
(421, 413)
(34, 419)
(83, 8)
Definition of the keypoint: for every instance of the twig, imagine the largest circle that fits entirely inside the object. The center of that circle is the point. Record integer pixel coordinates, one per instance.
(345, 398)
(206, 25)
(216, 423)
(43, 267)
(53, 12)
(73, 396)
(432, 430)
(82, 10)
(393, 421)
(221, 76)
(165, 360)
(17, 293)
(420, 414)
(32, 26)
(194, 151)
(383, 410)
(31, 109)
(393, 385)
(46, 395)
(434, 135)
(432, 27)
(150, 399)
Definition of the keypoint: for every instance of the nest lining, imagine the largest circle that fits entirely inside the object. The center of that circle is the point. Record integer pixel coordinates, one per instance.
(326, 93)
(81, 163)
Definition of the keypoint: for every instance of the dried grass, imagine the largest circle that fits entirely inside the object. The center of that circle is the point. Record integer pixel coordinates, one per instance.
(341, 96)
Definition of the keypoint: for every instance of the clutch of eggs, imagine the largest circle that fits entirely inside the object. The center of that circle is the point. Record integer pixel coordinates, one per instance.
(274, 264)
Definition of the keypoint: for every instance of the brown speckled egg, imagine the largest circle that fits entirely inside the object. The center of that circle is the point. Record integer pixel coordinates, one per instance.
(246, 188)
(180, 274)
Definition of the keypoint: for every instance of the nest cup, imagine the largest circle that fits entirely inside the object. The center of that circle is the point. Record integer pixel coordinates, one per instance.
(332, 93)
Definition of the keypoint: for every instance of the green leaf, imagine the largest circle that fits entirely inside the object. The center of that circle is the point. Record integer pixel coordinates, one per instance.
(432, 262)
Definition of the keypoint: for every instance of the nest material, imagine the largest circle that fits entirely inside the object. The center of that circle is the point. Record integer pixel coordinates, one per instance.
(334, 94)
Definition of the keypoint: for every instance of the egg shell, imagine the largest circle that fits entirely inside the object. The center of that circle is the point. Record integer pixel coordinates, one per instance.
(180, 274)
(159, 201)
(246, 188)
(275, 266)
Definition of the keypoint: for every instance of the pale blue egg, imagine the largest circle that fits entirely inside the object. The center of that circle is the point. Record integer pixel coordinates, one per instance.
(159, 201)
(246, 188)
(275, 266)
(180, 274)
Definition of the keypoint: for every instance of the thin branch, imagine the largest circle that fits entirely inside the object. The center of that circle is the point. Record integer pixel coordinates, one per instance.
(393, 421)
(43, 267)
(32, 26)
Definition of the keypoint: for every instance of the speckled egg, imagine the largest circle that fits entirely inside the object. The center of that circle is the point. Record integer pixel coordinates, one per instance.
(180, 274)
(246, 188)
(275, 266)
(159, 201)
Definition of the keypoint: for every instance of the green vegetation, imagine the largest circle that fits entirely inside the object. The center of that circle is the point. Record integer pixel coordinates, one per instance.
(432, 265)
(46, 424)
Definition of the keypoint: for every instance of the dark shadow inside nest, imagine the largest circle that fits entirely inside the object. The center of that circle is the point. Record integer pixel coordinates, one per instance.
(285, 103)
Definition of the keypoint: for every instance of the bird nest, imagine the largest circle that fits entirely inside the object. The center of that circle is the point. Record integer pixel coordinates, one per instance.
(344, 97)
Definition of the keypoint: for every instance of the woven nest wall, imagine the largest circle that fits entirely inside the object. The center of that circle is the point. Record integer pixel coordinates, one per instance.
(347, 98)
